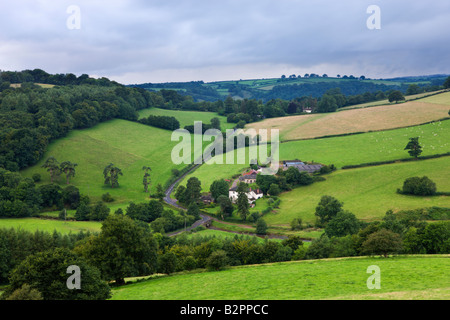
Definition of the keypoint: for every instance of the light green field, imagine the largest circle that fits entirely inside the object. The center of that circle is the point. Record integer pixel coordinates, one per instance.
(128, 145)
(187, 117)
(35, 224)
(412, 277)
(369, 147)
(367, 192)
(443, 98)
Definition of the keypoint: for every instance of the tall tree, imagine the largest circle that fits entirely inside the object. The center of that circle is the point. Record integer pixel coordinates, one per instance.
(123, 248)
(146, 180)
(415, 149)
(327, 209)
(396, 96)
(218, 188)
(111, 175)
(52, 166)
(193, 189)
(69, 170)
(242, 201)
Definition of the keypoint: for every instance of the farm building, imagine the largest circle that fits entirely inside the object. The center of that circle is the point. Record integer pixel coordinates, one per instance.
(252, 195)
(249, 177)
(301, 166)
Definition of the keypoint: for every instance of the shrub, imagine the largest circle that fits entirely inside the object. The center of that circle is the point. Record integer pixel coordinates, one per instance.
(261, 227)
(36, 177)
(419, 186)
(217, 260)
(107, 197)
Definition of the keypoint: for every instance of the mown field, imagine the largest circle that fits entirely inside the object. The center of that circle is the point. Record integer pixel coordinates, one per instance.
(367, 192)
(402, 277)
(359, 120)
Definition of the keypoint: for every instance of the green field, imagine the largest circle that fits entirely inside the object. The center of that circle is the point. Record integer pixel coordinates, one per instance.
(128, 145)
(367, 192)
(35, 224)
(187, 117)
(412, 277)
(369, 147)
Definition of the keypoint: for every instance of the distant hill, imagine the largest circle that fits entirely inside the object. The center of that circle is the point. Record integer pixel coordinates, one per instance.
(292, 87)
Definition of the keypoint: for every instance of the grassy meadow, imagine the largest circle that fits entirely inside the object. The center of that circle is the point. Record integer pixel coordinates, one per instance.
(64, 227)
(402, 277)
(367, 192)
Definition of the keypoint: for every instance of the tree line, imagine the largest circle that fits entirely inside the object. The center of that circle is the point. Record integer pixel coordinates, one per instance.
(31, 116)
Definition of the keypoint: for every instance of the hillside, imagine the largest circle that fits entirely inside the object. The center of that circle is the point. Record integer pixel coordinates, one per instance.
(290, 87)
(413, 277)
(128, 145)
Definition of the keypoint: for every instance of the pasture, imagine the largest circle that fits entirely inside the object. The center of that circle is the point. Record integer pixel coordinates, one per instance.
(366, 192)
(47, 225)
(369, 147)
(402, 277)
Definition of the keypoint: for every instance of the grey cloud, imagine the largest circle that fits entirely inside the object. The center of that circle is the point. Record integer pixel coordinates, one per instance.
(133, 39)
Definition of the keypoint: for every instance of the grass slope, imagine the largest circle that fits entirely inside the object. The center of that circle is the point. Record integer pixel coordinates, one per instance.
(128, 145)
(413, 277)
(367, 192)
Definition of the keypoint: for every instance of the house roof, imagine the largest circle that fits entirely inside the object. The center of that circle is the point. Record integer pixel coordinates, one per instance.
(308, 167)
(249, 176)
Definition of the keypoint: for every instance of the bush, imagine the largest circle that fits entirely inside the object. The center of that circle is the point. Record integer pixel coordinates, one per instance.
(107, 197)
(261, 227)
(36, 177)
(419, 186)
(217, 260)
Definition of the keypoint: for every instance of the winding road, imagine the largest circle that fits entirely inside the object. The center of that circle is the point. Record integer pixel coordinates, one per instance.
(203, 217)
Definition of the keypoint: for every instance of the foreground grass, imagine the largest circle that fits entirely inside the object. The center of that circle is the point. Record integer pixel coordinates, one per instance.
(402, 277)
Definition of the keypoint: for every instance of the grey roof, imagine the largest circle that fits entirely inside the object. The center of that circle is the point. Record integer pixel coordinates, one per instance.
(249, 176)
(310, 168)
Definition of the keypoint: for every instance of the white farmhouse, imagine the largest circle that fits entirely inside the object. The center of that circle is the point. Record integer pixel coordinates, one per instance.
(252, 195)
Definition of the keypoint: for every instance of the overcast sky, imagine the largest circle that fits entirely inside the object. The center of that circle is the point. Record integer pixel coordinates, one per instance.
(138, 41)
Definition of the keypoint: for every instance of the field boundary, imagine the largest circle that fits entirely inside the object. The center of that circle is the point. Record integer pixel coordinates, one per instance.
(362, 132)
(379, 163)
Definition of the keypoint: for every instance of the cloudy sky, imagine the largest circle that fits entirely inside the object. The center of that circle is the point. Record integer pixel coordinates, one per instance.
(138, 41)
